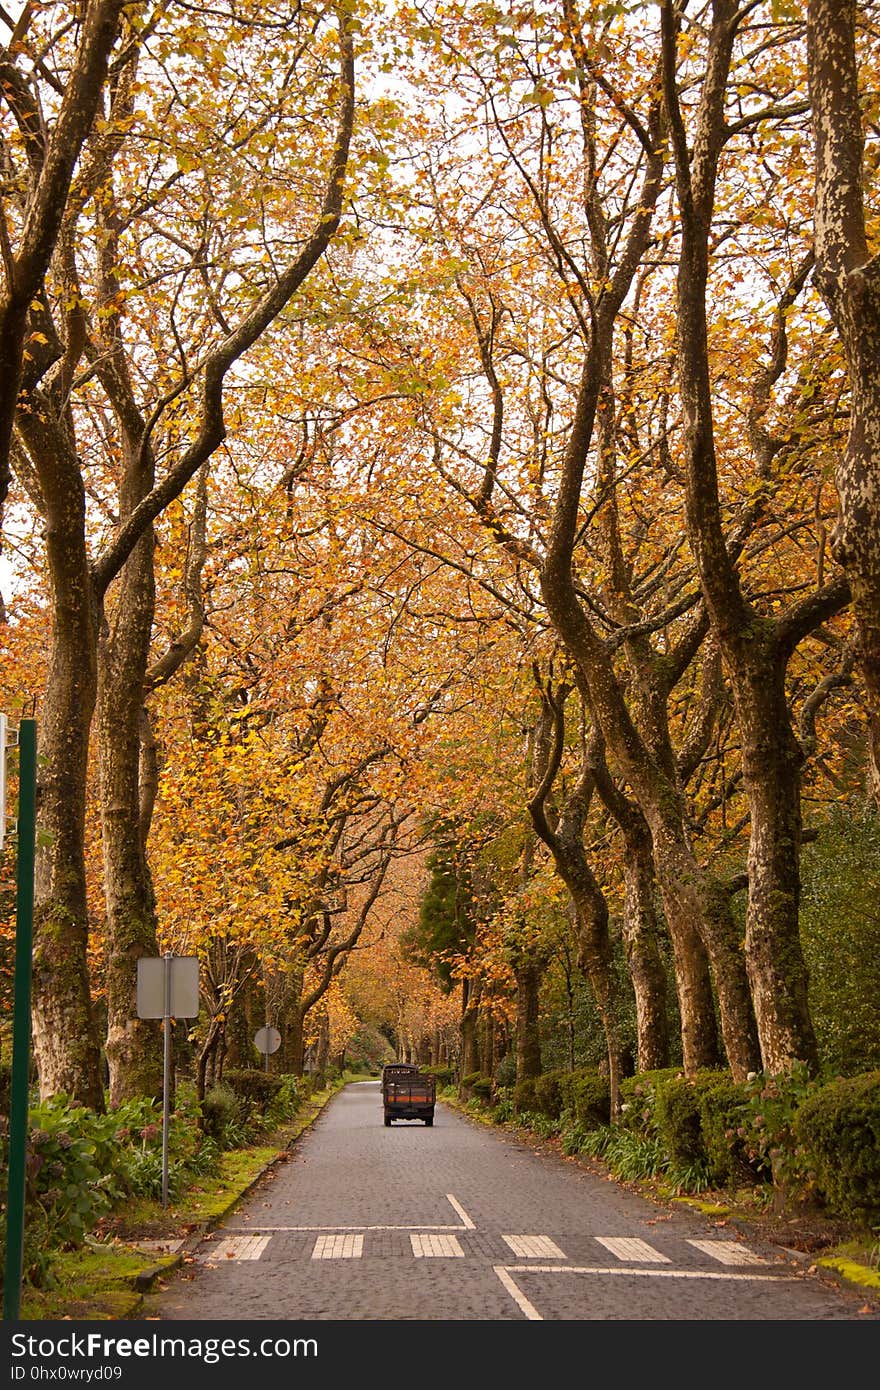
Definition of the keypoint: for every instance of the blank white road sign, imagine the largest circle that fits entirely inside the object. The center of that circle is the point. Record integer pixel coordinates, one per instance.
(184, 987)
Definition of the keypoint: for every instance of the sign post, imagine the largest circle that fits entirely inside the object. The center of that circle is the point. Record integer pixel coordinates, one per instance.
(167, 988)
(21, 1017)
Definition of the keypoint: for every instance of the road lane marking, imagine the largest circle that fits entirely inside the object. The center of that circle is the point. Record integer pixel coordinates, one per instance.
(517, 1295)
(728, 1252)
(340, 1247)
(630, 1248)
(236, 1248)
(505, 1273)
(300, 1230)
(467, 1224)
(442, 1246)
(534, 1247)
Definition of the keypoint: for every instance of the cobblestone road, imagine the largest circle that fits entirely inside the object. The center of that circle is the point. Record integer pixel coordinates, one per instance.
(462, 1222)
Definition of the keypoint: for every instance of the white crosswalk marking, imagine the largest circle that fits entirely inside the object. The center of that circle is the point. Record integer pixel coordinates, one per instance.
(435, 1245)
(728, 1252)
(534, 1247)
(633, 1250)
(341, 1247)
(235, 1248)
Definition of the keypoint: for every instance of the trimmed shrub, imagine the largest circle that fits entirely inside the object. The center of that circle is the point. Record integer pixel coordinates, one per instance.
(444, 1075)
(287, 1099)
(723, 1109)
(525, 1096)
(839, 1129)
(548, 1094)
(221, 1113)
(585, 1098)
(255, 1090)
(638, 1096)
(770, 1139)
(677, 1120)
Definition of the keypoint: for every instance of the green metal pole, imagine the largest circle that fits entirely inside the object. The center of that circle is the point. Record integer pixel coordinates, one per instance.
(21, 1019)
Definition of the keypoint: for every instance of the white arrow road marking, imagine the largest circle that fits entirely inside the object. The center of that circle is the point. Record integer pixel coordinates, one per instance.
(435, 1245)
(534, 1248)
(728, 1252)
(630, 1248)
(344, 1247)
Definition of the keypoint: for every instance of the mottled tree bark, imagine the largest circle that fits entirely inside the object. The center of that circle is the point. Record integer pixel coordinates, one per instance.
(66, 1045)
(470, 1011)
(134, 1045)
(641, 942)
(288, 1018)
(565, 841)
(528, 1036)
(848, 276)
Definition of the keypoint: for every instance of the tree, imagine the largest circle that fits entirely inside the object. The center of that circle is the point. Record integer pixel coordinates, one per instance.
(757, 646)
(67, 1051)
(848, 276)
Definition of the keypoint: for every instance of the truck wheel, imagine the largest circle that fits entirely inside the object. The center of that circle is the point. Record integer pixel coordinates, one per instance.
(388, 1119)
(429, 1121)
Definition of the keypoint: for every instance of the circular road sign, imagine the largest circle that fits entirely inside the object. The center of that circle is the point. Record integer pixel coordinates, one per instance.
(267, 1040)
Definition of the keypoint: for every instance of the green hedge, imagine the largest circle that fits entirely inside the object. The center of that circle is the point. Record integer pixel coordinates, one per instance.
(638, 1095)
(677, 1122)
(444, 1076)
(525, 1097)
(476, 1084)
(582, 1095)
(586, 1097)
(839, 1127)
(724, 1109)
(255, 1089)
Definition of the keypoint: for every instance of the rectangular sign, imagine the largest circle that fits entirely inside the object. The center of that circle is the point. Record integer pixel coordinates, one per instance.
(184, 986)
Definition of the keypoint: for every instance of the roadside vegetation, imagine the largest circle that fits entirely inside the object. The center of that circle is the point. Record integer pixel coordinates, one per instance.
(795, 1158)
(96, 1233)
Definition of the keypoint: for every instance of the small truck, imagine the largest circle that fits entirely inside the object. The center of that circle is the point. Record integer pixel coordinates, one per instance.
(407, 1094)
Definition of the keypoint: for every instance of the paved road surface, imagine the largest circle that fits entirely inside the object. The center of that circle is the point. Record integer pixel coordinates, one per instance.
(462, 1222)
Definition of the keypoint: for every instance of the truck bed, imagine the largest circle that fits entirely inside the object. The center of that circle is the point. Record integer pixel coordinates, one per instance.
(408, 1098)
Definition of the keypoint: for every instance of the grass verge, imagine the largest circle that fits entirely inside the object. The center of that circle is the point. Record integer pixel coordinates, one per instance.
(106, 1278)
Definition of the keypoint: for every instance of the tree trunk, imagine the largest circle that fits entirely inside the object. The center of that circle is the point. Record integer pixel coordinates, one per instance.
(290, 1024)
(528, 1035)
(66, 1046)
(848, 276)
(697, 909)
(470, 1007)
(646, 969)
(322, 1046)
(772, 761)
(134, 1045)
(566, 844)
